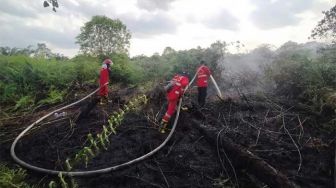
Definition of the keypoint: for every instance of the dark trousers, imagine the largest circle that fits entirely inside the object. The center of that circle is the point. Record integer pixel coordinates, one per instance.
(202, 93)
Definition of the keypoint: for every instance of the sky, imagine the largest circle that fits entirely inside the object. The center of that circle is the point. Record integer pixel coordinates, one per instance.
(156, 24)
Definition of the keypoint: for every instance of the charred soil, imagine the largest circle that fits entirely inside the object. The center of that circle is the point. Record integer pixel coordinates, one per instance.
(289, 140)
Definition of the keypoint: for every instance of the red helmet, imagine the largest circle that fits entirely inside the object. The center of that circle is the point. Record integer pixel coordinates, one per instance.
(108, 61)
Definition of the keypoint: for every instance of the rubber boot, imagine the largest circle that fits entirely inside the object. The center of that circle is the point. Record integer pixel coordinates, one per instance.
(163, 127)
(103, 100)
(184, 108)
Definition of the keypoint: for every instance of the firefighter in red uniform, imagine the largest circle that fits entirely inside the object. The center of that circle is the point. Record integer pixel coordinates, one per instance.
(203, 74)
(104, 79)
(175, 90)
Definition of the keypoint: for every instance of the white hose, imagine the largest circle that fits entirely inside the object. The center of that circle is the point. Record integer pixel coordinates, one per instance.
(89, 172)
(216, 86)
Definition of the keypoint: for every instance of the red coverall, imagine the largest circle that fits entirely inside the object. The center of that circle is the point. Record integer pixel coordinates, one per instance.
(203, 73)
(104, 78)
(174, 95)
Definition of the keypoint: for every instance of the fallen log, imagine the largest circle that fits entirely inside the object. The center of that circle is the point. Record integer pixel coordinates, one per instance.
(244, 159)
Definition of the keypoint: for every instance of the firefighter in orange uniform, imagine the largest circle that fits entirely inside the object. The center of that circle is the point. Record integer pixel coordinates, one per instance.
(174, 91)
(104, 80)
(203, 74)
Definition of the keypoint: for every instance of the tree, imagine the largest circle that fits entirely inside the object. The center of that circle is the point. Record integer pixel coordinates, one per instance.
(103, 36)
(42, 51)
(5, 50)
(168, 50)
(326, 28)
(220, 48)
(215, 56)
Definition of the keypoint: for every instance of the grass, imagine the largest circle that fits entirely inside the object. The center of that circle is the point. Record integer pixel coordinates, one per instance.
(27, 81)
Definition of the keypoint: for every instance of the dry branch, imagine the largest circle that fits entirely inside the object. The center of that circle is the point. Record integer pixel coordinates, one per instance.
(296, 146)
(243, 158)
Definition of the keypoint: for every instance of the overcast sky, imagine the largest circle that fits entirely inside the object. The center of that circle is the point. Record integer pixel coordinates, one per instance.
(156, 24)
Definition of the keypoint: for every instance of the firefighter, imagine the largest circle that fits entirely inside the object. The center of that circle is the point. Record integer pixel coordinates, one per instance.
(203, 74)
(174, 91)
(104, 80)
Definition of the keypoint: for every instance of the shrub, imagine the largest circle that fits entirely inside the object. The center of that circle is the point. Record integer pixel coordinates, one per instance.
(24, 79)
(24, 102)
(312, 82)
(12, 177)
(124, 71)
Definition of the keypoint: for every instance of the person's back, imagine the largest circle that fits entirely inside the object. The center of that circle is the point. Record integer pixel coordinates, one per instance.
(179, 83)
(203, 74)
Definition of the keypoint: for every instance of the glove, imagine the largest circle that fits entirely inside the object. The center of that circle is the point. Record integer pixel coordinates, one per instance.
(169, 86)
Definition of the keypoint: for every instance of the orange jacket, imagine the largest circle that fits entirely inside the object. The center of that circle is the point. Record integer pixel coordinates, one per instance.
(180, 82)
(203, 74)
(104, 78)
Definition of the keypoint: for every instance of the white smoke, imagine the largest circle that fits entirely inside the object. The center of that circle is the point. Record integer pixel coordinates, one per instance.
(246, 71)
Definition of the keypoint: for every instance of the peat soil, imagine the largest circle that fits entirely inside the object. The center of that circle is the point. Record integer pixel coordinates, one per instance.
(289, 139)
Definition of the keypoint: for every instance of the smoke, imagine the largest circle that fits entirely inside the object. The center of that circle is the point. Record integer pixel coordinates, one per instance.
(245, 72)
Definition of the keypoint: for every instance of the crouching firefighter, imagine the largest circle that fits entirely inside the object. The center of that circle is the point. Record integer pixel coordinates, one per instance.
(174, 91)
(104, 80)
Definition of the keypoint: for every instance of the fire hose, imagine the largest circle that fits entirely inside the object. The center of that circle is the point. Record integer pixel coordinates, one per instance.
(87, 172)
(90, 172)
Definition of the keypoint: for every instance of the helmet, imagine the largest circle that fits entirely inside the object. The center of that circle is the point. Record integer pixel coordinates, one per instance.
(108, 61)
(186, 74)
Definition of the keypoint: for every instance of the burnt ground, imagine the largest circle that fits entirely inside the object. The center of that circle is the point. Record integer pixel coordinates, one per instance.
(270, 128)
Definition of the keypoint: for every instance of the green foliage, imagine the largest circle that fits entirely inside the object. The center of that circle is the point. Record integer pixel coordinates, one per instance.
(103, 35)
(39, 51)
(101, 140)
(54, 96)
(152, 68)
(64, 184)
(326, 28)
(24, 102)
(52, 184)
(124, 71)
(159, 67)
(297, 77)
(27, 81)
(12, 178)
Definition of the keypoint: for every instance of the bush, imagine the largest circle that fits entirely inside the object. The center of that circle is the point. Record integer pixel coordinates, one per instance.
(12, 177)
(26, 81)
(54, 96)
(24, 102)
(312, 82)
(124, 71)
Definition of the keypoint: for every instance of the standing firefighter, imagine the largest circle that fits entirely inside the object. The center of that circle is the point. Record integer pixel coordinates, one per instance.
(203, 74)
(104, 80)
(175, 90)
